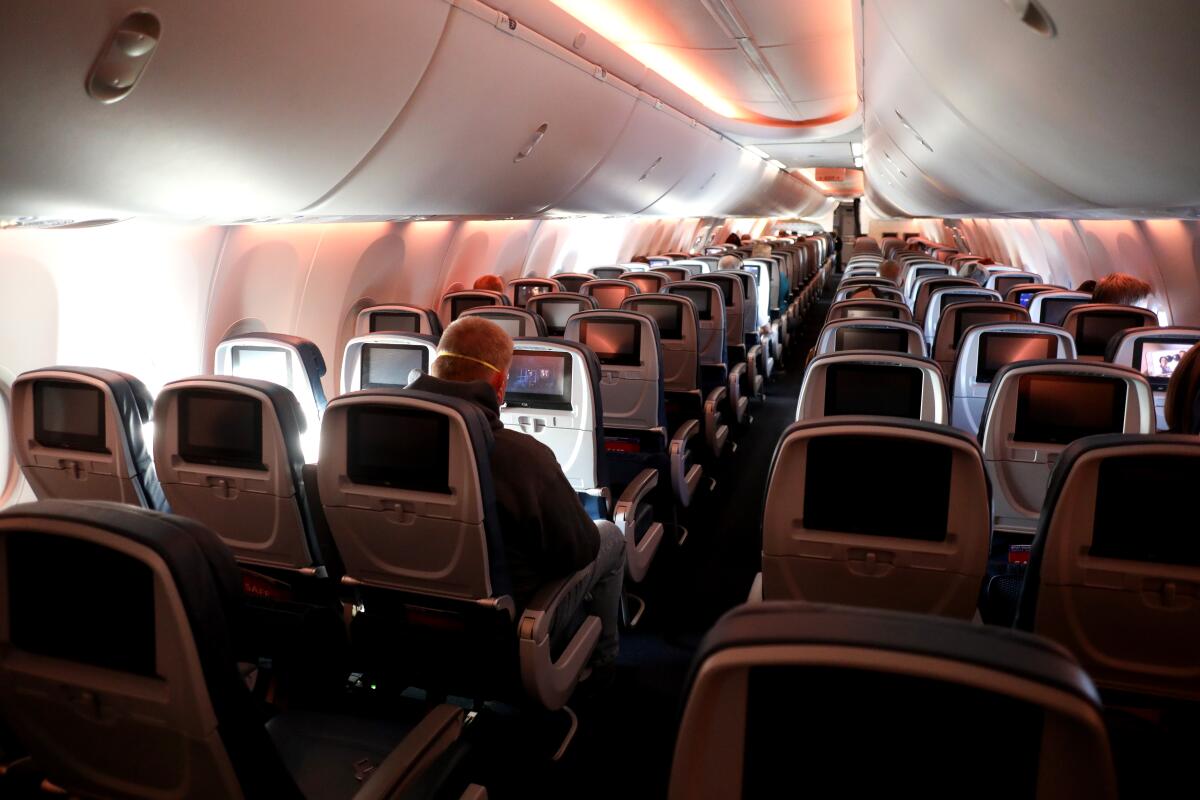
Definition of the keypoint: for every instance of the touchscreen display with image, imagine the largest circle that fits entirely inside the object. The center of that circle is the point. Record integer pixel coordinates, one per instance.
(539, 379)
(388, 366)
(1058, 409)
(221, 428)
(890, 339)
(394, 321)
(68, 415)
(1025, 298)
(999, 349)
(1157, 360)
(614, 343)
(263, 363)
(523, 292)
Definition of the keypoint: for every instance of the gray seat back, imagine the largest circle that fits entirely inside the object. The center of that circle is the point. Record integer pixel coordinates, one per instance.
(1003, 281)
(555, 308)
(943, 299)
(889, 335)
(571, 281)
(734, 295)
(607, 272)
(454, 304)
(959, 318)
(385, 360)
(869, 309)
(631, 372)
(864, 382)
(675, 317)
(708, 302)
(397, 318)
(1051, 307)
(647, 282)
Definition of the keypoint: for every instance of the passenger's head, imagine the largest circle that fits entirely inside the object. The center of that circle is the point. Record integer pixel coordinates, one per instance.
(889, 269)
(474, 349)
(1088, 286)
(491, 283)
(729, 262)
(1122, 289)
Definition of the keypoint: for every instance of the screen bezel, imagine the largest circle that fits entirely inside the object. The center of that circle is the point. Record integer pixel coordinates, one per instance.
(364, 367)
(246, 458)
(617, 359)
(544, 401)
(65, 440)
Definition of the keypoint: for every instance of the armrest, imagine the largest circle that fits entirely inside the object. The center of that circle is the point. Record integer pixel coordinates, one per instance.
(638, 555)
(423, 745)
(736, 401)
(548, 681)
(714, 431)
(684, 478)
(753, 356)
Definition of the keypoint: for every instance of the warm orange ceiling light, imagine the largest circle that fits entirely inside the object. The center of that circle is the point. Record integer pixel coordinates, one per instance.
(614, 24)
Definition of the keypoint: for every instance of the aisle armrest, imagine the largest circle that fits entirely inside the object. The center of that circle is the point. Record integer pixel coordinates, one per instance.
(715, 432)
(685, 476)
(736, 401)
(548, 680)
(753, 359)
(419, 749)
(638, 554)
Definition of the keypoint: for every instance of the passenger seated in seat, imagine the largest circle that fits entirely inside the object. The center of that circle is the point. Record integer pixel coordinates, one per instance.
(1088, 286)
(547, 534)
(729, 262)
(491, 283)
(891, 270)
(1121, 288)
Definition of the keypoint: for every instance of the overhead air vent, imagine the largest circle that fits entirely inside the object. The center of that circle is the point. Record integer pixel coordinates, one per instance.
(1033, 16)
(124, 57)
(913, 130)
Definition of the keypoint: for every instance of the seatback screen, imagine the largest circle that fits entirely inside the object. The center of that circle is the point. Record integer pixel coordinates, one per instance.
(571, 283)
(223, 428)
(460, 304)
(873, 389)
(609, 296)
(608, 272)
(615, 343)
(538, 379)
(69, 415)
(1025, 298)
(1097, 328)
(1003, 284)
(701, 299)
(668, 316)
(647, 284)
(727, 289)
(890, 339)
(389, 365)
(272, 364)
(401, 448)
(394, 321)
(1054, 309)
(1058, 409)
(966, 318)
(922, 272)
(909, 480)
(78, 601)
(999, 349)
(1138, 510)
(523, 291)
(556, 313)
(512, 325)
(1158, 358)
(658, 262)
(876, 312)
(954, 298)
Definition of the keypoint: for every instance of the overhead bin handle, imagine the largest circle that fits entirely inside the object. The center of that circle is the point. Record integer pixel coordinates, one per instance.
(524, 152)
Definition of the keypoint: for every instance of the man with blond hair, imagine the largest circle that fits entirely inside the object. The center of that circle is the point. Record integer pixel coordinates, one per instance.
(547, 534)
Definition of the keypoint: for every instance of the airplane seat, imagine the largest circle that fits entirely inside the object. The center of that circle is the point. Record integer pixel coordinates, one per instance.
(124, 681)
(524, 288)
(228, 455)
(516, 322)
(957, 319)
(78, 433)
(1022, 294)
(608, 293)
(1034, 410)
(1051, 307)
(693, 266)
(571, 281)
(924, 289)
(1094, 325)
(287, 360)
(985, 349)
(675, 274)
(890, 335)
(433, 597)
(873, 291)
(756, 318)
(607, 272)
(868, 309)
(1115, 564)
(637, 432)
(397, 318)
(455, 303)
(555, 308)
(882, 384)
(733, 294)
(914, 270)
(679, 333)
(647, 282)
(948, 296)
(1002, 281)
(1181, 409)
(877, 511)
(715, 370)
(837, 696)
(1156, 353)
(380, 360)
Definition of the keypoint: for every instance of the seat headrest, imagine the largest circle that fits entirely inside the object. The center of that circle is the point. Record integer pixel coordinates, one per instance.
(284, 404)
(1182, 409)
(310, 354)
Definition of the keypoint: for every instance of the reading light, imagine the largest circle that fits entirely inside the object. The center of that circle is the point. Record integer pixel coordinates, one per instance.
(777, 164)
(856, 148)
(858, 162)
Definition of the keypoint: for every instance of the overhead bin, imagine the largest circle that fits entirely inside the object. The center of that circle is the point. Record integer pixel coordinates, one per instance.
(504, 123)
(244, 108)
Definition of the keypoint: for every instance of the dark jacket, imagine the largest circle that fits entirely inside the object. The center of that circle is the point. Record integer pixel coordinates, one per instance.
(547, 534)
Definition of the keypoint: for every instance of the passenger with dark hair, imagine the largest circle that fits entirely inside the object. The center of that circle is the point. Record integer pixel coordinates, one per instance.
(1121, 288)
(889, 269)
(547, 534)
(734, 240)
(491, 283)
(1088, 286)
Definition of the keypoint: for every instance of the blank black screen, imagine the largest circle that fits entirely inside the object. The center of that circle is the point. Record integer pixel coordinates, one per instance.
(1096, 328)
(701, 299)
(81, 602)
(878, 312)
(616, 343)
(954, 298)
(573, 282)
(1139, 510)
(608, 272)
(1059, 409)
(668, 316)
(1009, 281)
(556, 313)
(395, 321)
(874, 389)
(895, 341)
(401, 448)
(910, 487)
(727, 289)
(1054, 310)
(922, 272)
(218, 427)
(388, 365)
(998, 349)
(460, 304)
(69, 415)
